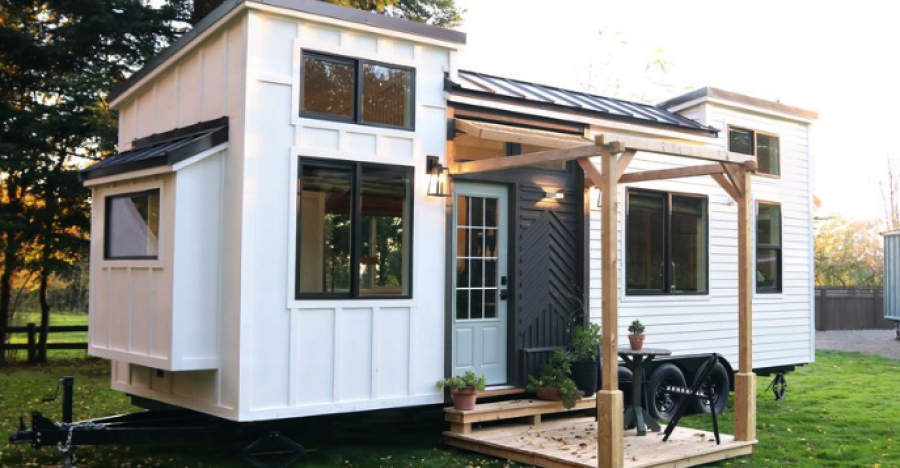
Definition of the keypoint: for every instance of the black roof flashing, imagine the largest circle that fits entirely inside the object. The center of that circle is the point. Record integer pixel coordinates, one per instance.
(163, 149)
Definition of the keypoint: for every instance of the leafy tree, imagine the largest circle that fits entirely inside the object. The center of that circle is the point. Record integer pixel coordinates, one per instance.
(848, 253)
(58, 60)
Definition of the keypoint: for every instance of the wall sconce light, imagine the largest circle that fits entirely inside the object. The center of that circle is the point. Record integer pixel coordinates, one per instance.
(554, 195)
(438, 178)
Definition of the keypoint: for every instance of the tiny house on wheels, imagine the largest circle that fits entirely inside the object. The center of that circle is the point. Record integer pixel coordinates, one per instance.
(315, 210)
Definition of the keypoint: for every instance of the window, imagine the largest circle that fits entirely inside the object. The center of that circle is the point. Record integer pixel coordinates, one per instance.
(762, 145)
(353, 230)
(666, 247)
(132, 226)
(768, 248)
(357, 91)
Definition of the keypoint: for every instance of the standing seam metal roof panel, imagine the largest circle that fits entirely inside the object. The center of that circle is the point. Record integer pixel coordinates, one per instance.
(523, 91)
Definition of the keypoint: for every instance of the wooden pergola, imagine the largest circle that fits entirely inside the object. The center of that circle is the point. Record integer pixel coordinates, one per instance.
(730, 170)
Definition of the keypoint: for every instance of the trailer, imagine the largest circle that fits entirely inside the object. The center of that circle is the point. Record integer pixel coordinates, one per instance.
(892, 277)
(316, 211)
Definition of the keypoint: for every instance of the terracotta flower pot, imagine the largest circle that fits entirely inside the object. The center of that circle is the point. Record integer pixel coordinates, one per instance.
(636, 341)
(464, 399)
(549, 394)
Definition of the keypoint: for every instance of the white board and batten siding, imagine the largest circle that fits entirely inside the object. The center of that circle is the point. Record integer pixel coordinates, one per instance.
(305, 357)
(172, 322)
(783, 323)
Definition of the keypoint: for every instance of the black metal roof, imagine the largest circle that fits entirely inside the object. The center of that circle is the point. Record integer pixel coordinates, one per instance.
(315, 7)
(567, 100)
(163, 149)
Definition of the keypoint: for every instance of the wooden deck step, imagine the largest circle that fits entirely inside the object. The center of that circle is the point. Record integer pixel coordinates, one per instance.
(530, 409)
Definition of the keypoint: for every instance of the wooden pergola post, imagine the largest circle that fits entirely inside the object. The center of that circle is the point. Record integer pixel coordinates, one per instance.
(745, 379)
(610, 426)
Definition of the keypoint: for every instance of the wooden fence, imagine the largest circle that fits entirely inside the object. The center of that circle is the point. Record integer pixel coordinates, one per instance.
(850, 309)
(33, 332)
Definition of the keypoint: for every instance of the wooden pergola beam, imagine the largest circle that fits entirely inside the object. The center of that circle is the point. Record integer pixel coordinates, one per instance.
(677, 173)
(674, 149)
(496, 164)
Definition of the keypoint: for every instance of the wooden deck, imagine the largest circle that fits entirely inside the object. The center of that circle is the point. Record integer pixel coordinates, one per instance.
(572, 443)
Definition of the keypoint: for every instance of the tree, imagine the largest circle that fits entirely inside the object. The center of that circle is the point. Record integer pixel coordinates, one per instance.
(442, 13)
(890, 192)
(58, 61)
(848, 253)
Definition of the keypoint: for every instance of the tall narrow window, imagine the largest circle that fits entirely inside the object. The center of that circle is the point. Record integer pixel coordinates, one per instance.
(132, 226)
(762, 145)
(358, 91)
(768, 248)
(666, 247)
(353, 230)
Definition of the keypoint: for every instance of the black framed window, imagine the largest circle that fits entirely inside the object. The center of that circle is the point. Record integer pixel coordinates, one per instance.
(666, 243)
(132, 226)
(764, 146)
(356, 90)
(354, 226)
(768, 248)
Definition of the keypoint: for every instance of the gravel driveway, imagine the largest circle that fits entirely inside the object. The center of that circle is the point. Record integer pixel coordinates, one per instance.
(880, 342)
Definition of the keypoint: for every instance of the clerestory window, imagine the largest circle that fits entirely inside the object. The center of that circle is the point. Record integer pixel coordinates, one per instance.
(358, 91)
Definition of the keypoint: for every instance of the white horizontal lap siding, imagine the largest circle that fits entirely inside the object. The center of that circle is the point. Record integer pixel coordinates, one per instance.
(307, 357)
(706, 323)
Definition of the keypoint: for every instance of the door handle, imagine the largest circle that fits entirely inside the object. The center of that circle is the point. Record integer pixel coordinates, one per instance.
(504, 294)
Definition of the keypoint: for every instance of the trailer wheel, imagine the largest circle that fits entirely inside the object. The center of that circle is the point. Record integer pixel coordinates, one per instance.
(662, 403)
(717, 385)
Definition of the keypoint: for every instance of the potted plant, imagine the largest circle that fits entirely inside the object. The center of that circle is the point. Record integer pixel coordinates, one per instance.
(464, 389)
(636, 337)
(554, 382)
(584, 350)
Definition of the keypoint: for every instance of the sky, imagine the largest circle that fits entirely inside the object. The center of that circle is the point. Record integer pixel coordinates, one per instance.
(839, 59)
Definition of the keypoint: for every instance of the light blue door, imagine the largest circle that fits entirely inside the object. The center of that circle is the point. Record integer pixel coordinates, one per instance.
(479, 326)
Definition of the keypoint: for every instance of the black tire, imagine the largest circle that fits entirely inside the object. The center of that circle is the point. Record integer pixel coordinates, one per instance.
(719, 386)
(662, 403)
(625, 379)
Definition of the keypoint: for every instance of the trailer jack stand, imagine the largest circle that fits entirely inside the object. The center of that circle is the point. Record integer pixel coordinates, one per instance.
(778, 386)
(275, 444)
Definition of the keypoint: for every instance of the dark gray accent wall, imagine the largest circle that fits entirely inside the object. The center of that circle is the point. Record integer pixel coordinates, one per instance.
(546, 262)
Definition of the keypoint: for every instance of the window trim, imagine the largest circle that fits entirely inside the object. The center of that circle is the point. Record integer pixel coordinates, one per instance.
(667, 250)
(357, 63)
(107, 210)
(755, 133)
(780, 247)
(356, 233)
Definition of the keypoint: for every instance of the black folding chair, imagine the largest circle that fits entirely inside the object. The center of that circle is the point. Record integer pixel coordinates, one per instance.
(695, 392)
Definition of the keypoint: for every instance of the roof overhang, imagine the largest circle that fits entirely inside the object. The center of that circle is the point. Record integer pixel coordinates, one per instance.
(604, 124)
(741, 102)
(161, 153)
(312, 10)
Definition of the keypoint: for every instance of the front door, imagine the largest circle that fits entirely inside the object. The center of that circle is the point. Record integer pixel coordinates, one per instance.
(480, 281)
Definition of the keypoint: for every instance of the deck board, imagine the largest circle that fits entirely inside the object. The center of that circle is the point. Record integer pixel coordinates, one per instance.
(572, 443)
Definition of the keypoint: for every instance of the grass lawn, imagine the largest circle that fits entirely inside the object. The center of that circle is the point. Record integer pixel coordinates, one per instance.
(840, 411)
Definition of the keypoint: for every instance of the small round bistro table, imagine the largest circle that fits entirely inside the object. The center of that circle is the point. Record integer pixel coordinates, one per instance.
(636, 416)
